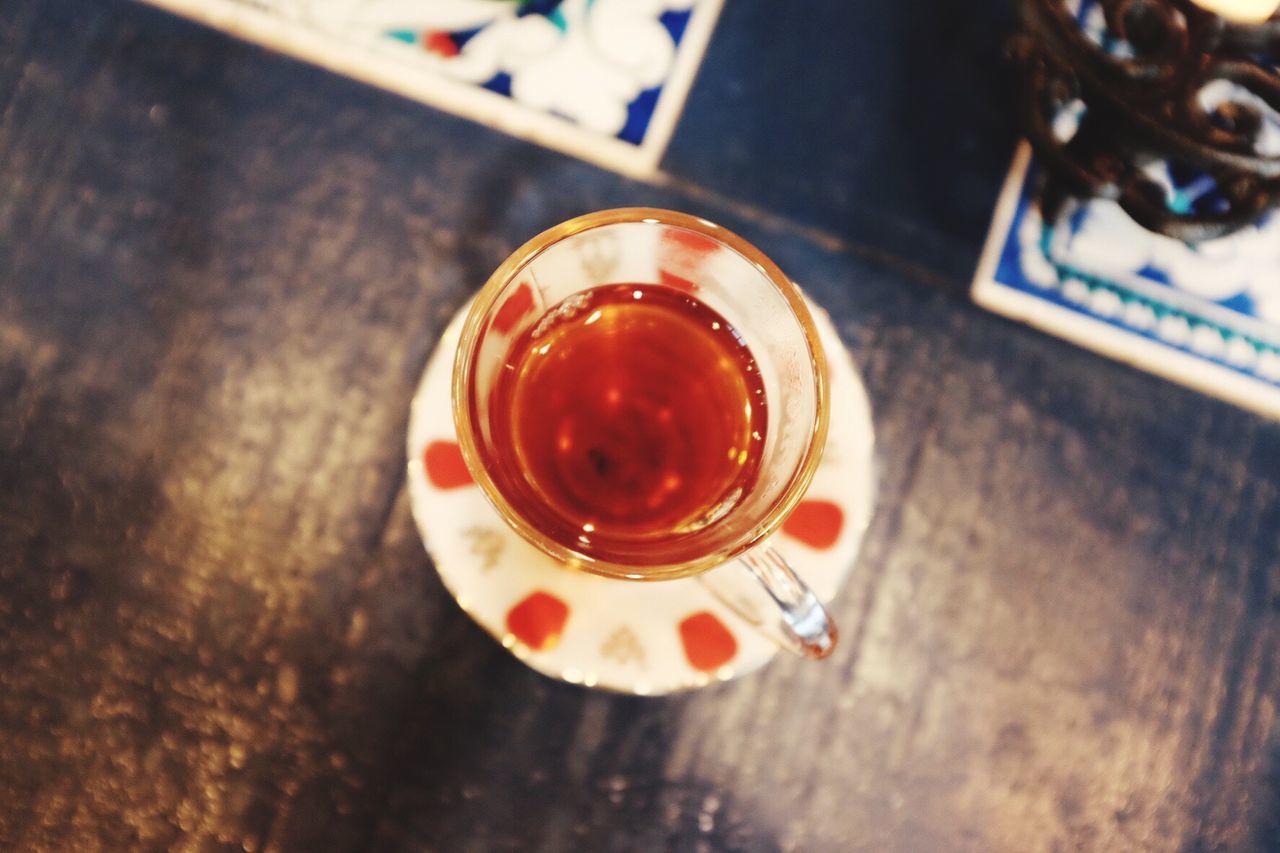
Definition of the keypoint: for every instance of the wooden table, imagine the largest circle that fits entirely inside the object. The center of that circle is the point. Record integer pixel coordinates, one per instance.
(221, 273)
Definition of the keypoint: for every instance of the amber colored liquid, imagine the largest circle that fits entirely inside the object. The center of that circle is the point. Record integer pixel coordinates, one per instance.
(628, 417)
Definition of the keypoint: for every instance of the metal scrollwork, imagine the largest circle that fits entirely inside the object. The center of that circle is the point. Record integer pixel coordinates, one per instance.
(1137, 84)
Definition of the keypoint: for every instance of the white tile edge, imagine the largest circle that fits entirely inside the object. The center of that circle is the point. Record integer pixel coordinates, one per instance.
(466, 100)
(1097, 335)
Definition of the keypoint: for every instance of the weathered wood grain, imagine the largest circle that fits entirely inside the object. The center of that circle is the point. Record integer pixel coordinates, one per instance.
(221, 273)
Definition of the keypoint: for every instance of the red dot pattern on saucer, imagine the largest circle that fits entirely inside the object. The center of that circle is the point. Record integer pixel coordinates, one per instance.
(816, 523)
(446, 468)
(708, 644)
(538, 620)
(518, 304)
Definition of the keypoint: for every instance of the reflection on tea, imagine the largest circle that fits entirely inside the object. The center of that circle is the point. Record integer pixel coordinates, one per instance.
(627, 416)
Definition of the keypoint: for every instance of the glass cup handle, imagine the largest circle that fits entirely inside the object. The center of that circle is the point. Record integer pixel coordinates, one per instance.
(799, 623)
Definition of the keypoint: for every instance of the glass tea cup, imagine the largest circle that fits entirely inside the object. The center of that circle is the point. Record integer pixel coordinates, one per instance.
(725, 547)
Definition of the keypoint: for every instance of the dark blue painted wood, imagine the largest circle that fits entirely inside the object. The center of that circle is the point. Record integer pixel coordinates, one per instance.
(886, 125)
(221, 273)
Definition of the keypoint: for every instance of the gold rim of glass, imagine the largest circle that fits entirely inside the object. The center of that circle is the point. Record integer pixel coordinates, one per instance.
(464, 366)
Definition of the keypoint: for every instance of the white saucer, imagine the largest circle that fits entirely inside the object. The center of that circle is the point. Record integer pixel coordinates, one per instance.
(633, 637)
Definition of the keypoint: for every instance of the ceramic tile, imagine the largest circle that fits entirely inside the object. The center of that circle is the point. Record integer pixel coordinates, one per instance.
(602, 79)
